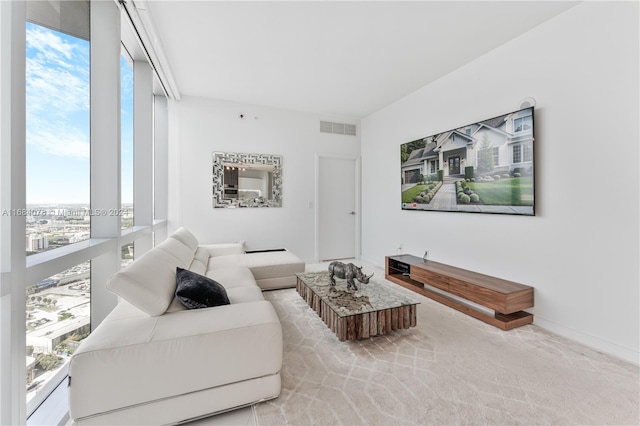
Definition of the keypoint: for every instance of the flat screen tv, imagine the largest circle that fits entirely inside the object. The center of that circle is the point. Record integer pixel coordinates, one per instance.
(483, 167)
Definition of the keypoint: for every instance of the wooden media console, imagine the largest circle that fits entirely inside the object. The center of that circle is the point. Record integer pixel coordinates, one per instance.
(506, 298)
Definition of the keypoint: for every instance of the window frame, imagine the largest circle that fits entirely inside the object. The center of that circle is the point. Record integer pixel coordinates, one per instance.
(524, 153)
(433, 166)
(527, 152)
(128, 57)
(517, 154)
(16, 269)
(526, 126)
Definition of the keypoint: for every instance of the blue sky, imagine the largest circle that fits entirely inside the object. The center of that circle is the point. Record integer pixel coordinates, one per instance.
(57, 90)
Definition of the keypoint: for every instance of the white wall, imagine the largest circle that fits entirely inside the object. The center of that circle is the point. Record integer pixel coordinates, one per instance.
(198, 127)
(580, 251)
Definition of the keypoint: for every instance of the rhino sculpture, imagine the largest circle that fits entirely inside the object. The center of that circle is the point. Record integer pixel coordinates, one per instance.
(347, 271)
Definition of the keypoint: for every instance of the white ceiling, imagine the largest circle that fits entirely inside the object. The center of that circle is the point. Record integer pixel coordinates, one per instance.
(332, 58)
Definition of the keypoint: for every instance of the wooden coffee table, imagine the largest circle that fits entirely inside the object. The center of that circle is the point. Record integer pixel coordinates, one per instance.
(372, 310)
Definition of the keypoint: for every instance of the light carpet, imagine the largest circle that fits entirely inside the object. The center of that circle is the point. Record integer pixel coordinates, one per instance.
(450, 369)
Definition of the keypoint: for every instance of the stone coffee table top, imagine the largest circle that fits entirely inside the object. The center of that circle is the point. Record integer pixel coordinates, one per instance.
(368, 298)
(372, 310)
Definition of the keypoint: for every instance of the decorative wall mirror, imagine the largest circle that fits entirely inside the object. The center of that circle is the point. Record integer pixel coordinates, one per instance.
(246, 180)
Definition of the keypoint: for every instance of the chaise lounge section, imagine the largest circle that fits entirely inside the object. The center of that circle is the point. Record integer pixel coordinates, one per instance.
(153, 361)
(272, 269)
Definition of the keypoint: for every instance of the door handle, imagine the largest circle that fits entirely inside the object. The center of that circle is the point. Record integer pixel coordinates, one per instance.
(352, 213)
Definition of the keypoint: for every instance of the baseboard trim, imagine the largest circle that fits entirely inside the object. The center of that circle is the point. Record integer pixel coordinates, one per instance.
(593, 342)
(372, 261)
(621, 352)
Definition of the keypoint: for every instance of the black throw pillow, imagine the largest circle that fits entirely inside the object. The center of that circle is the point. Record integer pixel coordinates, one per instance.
(197, 291)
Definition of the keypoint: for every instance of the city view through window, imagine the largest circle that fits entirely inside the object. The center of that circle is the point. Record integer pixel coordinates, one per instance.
(58, 318)
(58, 193)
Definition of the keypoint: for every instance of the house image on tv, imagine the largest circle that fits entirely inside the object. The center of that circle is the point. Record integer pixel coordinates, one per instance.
(501, 145)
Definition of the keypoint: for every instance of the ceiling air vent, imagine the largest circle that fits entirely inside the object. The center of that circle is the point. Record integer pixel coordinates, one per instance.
(326, 127)
(350, 129)
(338, 128)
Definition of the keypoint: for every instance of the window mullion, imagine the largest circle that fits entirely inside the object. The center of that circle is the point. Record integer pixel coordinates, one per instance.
(12, 226)
(105, 149)
(161, 158)
(143, 152)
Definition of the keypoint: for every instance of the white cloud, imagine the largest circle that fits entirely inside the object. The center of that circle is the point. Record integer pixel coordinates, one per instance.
(58, 139)
(57, 72)
(55, 90)
(58, 96)
(48, 42)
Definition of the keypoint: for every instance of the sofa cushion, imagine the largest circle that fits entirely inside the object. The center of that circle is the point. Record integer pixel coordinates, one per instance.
(186, 238)
(249, 292)
(233, 276)
(200, 261)
(274, 264)
(245, 294)
(263, 265)
(197, 291)
(176, 306)
(182, 253)
(149, 283)
(226, 249)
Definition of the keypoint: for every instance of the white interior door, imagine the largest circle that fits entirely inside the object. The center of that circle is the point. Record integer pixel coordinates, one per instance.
(337, 208)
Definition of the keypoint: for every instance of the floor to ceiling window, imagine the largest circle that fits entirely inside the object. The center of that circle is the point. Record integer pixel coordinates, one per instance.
(58, 318)
(58, 214)
(66, 167)
(57, 138)
(126, 139)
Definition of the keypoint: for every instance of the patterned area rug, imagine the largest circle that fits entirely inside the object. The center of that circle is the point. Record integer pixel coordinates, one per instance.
(450, 369)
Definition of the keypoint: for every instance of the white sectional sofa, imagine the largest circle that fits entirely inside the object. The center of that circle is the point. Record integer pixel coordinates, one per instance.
(153, 361)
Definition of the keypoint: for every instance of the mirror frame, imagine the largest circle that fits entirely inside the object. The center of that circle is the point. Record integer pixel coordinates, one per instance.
(219, 158)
